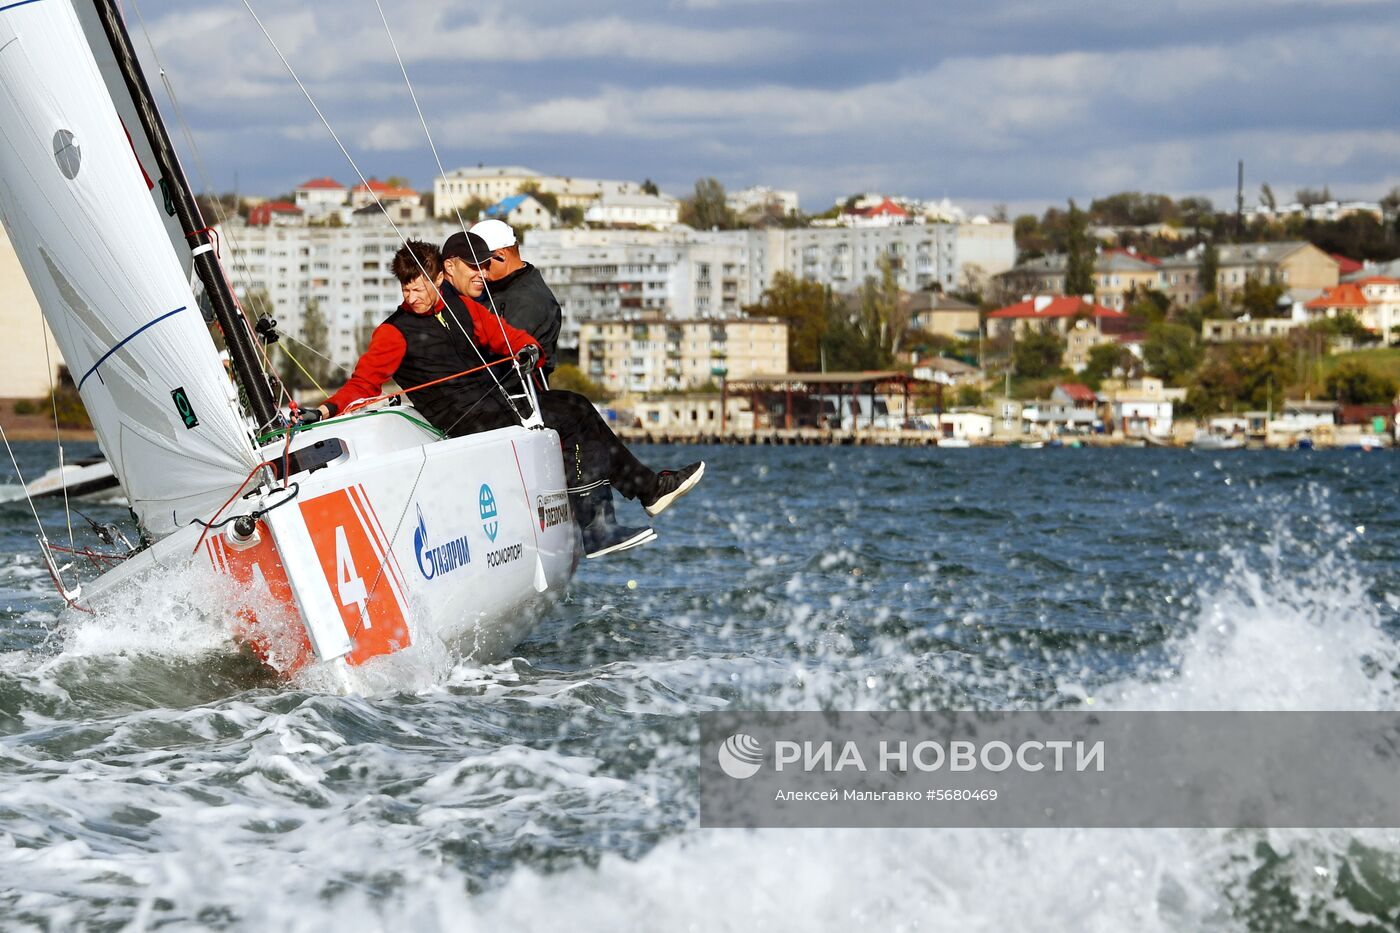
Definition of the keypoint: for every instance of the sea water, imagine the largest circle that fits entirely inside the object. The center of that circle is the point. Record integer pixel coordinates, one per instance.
(151, 777)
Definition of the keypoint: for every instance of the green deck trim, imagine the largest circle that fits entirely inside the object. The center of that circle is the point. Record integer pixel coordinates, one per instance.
(298, 429)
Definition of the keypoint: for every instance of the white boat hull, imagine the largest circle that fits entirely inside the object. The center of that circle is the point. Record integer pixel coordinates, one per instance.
(406, 537)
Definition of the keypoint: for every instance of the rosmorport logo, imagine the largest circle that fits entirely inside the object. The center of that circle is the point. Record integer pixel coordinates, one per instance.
(741, 756)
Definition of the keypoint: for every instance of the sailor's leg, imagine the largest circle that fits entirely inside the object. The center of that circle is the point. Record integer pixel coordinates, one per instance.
(593, 445)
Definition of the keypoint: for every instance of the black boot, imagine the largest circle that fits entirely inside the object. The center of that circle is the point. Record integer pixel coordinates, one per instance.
(593, 510)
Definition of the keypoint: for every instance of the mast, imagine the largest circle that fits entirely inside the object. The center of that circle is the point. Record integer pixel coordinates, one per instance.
(241, 349)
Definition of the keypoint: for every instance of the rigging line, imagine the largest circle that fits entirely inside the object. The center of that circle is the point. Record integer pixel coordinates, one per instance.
(297, 363)
(380, 204)
(490, 301)
(57, 434)
(308, 347)
(25, 486)
(241, 267)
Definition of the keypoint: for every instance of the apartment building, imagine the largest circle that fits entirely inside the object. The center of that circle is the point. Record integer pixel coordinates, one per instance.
(658, 355)
(761, 198)
(1117, 273)
(683, 273)
(492, 184)
(1296, 264)
(344, 269)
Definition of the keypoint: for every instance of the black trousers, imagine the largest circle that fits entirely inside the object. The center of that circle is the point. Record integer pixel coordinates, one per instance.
(592, 452)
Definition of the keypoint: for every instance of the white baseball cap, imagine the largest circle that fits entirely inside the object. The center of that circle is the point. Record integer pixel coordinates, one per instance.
(496, 233)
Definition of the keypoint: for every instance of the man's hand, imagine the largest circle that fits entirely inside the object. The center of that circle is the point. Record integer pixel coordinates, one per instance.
(309, 415)
(528, 358)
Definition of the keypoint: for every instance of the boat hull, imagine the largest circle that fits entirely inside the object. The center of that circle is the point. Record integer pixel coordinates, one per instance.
(401, 537)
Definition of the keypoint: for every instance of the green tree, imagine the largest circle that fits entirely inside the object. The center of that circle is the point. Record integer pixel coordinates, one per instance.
(1310, 196)
(1266, 197)
(570, 378)
(1172, 351)
(1353, 383)
(1107, 360)
(969, 397)
(548, 200)
(809, 310)
(1038, 353)
(883, 318)
(1343, 325)
(649, 187)
(1198, 213)
(1149, 304)
(1079, 261)
(1261, 299)
(1241, 376)
(707, 209)
(1209, 268)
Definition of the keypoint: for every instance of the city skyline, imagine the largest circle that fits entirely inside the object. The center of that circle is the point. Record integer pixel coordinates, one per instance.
(1007, 102)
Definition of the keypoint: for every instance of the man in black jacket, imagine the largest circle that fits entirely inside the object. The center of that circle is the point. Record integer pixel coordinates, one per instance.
(517, 292)
(595, 460)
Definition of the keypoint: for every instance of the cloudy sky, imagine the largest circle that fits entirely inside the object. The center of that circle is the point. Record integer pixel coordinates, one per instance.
(1026, 102)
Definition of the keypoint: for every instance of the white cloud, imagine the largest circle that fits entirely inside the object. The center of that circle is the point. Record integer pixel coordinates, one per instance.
(695, 87)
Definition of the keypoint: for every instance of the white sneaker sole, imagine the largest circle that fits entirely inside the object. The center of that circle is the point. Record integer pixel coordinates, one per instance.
(662, 504)
(636, 540)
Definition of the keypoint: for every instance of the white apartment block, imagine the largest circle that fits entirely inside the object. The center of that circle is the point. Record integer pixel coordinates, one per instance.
(684, 274)
(344, 269)
(658, 355)
(633, 210)
(491, 184)
(760, 197)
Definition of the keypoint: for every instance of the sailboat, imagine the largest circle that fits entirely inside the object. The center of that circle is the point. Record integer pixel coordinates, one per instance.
(370, 531)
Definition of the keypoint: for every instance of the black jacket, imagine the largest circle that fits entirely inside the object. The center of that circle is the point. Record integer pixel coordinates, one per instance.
(524, 300)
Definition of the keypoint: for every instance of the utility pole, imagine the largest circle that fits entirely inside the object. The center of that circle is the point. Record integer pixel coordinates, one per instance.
(1239, 204)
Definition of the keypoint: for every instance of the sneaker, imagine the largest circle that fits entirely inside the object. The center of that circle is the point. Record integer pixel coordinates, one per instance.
(593, 510)
(671, 485)
(614, 539)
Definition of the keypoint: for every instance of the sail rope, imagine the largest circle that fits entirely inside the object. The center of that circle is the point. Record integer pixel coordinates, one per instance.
(380, 204)
(57, 433)
(288, 354)
(312, 350)
(442, 172)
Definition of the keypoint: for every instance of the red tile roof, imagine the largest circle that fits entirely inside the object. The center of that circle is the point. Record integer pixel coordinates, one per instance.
(323, 183)
(1059, 306)
(1077, 392)
(385, 192)
(1346, 295)
(1376, 280)
(1345, 266)
(884, 208)
(1132, 254)
(261, 215)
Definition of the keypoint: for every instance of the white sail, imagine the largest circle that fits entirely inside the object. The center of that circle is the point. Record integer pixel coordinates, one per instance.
(77, 208)
(157, 186)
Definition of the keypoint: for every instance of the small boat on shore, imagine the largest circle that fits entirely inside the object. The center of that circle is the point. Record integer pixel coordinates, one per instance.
(1207, 440)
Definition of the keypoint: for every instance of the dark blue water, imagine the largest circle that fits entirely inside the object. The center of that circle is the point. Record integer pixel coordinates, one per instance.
(149, 775)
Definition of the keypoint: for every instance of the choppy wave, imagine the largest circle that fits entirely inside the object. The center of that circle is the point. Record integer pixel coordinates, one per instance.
(147, 777)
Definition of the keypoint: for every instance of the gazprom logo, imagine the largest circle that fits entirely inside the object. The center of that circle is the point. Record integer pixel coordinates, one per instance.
(487, 501)
(445, 558)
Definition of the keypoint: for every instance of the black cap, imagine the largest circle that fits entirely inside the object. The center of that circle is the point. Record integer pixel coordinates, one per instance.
(467, 247)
